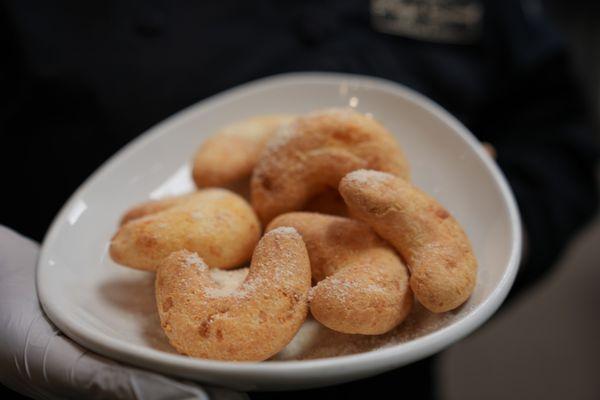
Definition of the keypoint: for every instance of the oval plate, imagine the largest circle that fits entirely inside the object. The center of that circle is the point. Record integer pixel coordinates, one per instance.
(110, 309)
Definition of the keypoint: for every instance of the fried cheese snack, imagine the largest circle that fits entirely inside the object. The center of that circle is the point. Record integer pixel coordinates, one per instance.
(433, 244)
(361, 283)
(252, 322)
(217, 224)
(313, 153)
(228, 157)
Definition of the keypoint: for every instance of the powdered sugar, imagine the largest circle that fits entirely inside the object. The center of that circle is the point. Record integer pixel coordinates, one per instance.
(194, 260)
(228, 282)
(198, 214)
(283, 135)
(284, 230)
(342, 288)
(368, 176)
(314, 340)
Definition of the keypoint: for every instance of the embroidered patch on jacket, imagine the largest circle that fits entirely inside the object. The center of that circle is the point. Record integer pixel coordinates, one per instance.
(448, 21)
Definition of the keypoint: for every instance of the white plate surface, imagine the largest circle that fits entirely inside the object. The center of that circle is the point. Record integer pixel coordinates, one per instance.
(110, 309)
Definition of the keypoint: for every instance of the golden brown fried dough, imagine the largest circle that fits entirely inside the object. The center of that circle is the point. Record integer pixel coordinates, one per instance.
(314, 152)
(251, 323)
(435, 247)
(154, 206)
(216, 223)
(362, 285)
(227, 158)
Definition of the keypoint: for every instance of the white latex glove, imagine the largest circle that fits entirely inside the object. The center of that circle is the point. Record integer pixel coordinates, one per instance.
(38, 361)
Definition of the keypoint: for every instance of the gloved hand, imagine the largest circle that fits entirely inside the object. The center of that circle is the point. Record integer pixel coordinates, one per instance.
(38, 361)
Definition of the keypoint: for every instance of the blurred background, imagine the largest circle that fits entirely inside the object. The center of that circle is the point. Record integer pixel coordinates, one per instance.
(541, 346)
(544, 345)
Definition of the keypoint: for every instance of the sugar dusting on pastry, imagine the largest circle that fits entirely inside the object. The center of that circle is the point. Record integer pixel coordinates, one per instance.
(368, 176)
(314, 341)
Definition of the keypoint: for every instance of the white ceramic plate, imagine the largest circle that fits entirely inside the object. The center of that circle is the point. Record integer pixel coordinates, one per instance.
(110, 309)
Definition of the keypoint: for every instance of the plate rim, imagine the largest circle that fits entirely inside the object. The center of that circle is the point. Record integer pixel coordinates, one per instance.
(409, 351)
